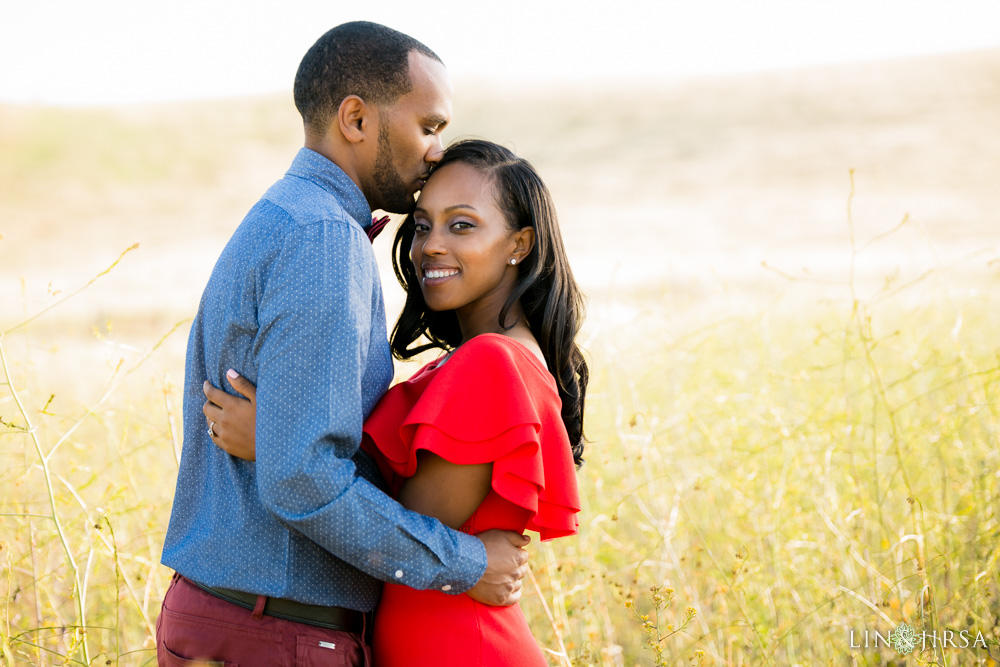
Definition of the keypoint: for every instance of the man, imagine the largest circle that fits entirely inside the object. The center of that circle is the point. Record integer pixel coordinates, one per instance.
(278, 560)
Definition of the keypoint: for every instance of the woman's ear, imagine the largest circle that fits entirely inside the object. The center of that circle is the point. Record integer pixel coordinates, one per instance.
(354, 118)
(524, 241)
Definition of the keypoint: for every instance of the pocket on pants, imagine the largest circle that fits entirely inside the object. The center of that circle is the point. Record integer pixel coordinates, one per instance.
(171, 659)
(320, 651)
(187, 640)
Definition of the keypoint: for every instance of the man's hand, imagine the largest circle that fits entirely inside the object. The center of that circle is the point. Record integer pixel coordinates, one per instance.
(506, 566)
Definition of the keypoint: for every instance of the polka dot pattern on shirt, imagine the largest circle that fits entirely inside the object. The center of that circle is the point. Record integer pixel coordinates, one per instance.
(294, 304)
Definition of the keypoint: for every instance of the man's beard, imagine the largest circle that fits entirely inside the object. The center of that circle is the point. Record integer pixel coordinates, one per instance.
(393, 195)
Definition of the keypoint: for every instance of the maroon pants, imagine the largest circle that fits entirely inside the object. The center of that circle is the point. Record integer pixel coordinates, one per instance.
(197, 628)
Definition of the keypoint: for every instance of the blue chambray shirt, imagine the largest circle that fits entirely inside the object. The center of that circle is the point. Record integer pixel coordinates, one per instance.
(295, 304)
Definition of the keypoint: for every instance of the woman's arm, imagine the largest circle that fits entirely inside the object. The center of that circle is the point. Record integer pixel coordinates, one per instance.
(446, 491)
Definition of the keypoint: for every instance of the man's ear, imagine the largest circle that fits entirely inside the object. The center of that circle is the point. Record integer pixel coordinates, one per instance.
(524, 241)
(354, 118)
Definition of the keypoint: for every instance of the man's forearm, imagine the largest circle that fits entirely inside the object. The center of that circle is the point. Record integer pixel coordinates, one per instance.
(369, 530)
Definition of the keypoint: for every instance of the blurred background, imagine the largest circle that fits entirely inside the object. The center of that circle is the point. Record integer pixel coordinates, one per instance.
(684, 142)
(759, 200)
(691, 141)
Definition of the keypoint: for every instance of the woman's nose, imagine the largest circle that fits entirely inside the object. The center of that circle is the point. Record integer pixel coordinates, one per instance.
(434, 243)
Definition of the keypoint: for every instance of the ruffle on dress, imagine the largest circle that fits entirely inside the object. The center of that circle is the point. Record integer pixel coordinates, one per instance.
(494, 402)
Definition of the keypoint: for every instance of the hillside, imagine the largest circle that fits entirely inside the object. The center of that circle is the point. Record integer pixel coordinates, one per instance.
(679, 184)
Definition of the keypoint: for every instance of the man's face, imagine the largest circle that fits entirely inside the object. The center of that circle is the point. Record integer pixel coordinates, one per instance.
(409, 137)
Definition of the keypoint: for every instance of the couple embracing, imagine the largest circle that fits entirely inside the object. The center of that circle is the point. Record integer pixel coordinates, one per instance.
(320, 491)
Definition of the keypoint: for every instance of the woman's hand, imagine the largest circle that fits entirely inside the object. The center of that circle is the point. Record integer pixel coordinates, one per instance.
(232, 421)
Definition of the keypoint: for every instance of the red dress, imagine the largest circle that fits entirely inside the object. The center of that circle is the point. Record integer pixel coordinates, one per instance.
(492, 402)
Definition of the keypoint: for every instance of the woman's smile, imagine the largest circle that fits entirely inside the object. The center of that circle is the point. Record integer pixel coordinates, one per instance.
(434, 274)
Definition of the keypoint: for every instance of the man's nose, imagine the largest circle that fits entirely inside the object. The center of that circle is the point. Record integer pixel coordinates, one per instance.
(435, 151)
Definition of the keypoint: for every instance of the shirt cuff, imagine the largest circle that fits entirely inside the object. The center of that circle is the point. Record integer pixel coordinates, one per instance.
(468, 569)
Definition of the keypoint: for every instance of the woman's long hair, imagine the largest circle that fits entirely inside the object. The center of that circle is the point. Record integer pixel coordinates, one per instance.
(551, 301)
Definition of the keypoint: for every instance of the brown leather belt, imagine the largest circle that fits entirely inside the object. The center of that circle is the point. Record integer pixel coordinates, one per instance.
(335, 618)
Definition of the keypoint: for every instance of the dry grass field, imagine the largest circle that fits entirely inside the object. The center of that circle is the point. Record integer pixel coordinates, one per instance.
(793, 305)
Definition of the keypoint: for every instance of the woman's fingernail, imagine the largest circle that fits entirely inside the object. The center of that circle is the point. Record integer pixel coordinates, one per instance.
(232, 374)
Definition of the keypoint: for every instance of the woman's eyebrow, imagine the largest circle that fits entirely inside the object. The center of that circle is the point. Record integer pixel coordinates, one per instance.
(448, 209)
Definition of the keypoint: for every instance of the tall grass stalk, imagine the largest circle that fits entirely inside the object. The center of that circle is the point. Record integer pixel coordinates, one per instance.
(83, 620)
(78, 594)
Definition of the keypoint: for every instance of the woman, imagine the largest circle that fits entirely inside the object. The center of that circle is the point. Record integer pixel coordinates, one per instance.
(487, 435)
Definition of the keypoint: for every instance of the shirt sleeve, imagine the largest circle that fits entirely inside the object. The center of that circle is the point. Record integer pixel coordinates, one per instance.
(314, 317)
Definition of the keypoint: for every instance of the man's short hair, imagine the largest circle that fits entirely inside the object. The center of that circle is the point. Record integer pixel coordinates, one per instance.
(358, 58)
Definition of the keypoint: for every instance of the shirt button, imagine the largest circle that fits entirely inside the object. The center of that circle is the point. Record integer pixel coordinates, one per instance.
(446, 588)
(399, 574)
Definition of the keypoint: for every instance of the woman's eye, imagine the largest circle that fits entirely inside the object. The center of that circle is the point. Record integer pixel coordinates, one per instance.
(420, 228)
(462, 224)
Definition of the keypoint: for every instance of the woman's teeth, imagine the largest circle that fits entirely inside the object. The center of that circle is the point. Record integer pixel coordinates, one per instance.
(440, 273)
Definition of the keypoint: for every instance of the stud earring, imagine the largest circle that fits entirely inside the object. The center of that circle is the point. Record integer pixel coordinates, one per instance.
(513, 261)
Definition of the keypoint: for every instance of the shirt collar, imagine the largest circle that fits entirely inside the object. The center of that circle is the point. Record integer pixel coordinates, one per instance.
(310, 165)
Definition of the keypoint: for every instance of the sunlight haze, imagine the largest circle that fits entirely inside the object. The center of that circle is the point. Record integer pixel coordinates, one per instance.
(117, 51)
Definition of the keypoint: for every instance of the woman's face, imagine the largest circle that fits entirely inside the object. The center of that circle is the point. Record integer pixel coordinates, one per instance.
(462, 246)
